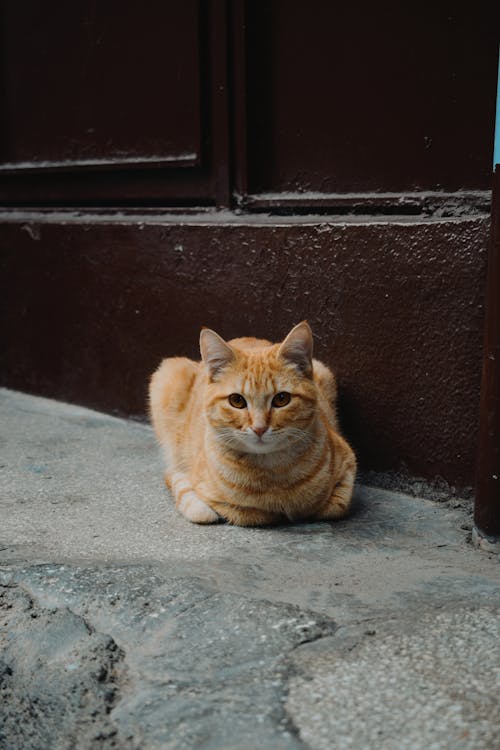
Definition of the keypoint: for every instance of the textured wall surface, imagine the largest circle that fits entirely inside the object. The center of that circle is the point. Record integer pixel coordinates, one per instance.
(89, 309)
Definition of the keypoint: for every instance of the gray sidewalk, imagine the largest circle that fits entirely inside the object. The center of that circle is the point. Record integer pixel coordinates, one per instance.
(124, 626)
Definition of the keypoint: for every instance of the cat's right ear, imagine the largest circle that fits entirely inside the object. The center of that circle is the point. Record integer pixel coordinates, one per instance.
(297, 348)
(214, 351)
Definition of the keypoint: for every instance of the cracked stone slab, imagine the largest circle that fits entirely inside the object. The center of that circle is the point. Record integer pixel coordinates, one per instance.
(436, 684)
(197, 667)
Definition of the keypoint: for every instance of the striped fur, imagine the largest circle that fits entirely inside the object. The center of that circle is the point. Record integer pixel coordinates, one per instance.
(261, 464)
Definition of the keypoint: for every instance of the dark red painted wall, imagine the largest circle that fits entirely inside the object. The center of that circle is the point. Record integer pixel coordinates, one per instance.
(89, 309)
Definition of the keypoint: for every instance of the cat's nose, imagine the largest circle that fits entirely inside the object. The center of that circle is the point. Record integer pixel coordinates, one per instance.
(259, 430)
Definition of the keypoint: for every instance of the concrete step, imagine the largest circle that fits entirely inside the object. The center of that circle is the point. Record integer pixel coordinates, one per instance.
(125, 625)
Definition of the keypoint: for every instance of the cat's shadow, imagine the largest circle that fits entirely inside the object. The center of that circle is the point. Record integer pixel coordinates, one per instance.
(359, 509)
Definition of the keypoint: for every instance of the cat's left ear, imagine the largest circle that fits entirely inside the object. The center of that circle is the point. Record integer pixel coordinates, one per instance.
(297, 348)
(214, 351)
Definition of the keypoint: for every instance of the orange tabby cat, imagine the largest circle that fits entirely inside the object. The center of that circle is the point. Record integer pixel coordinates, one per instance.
(250, 434)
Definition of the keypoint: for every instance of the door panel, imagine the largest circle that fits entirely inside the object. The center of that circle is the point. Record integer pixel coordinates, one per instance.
(79, 89)
(377, 97)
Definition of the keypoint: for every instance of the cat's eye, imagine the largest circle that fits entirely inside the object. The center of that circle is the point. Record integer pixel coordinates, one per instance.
(281, 399)
(237, 400)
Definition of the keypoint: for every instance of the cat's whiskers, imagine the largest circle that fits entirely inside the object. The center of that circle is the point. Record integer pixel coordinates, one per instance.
(225, 436)
(296, 436)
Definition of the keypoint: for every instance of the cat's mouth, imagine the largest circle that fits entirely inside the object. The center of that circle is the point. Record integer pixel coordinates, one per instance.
(269, 442)
(246, 440)
(250, 442)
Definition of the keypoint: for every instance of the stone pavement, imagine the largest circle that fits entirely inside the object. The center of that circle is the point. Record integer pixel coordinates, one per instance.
(124, 626)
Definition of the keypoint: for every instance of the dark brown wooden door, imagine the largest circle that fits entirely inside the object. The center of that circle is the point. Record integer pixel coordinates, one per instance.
(265, 104)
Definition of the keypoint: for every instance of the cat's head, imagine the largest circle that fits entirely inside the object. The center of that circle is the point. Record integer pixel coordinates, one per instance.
(260, 397)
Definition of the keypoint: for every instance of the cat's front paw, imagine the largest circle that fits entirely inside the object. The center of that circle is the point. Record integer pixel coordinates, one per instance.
(195, 510)
(187, 500)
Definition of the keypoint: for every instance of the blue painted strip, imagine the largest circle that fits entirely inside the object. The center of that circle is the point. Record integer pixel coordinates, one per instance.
(496, 151)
